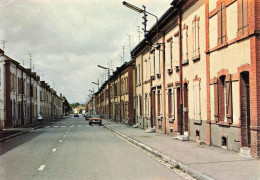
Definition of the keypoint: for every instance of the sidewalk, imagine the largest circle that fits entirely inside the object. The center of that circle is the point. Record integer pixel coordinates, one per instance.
(9, 133)
(201, 161)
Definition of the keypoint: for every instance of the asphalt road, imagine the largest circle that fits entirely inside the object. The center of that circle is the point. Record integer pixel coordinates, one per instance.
(71, 149)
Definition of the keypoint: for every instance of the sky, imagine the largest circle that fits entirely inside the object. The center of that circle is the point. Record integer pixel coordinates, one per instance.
(67, 39)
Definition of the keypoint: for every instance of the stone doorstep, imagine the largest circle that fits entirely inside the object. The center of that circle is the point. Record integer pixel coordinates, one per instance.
(150, 130)
(246, 151)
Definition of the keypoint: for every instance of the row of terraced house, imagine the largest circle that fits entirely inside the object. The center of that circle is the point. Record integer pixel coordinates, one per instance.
(196, 74)
(23, 96)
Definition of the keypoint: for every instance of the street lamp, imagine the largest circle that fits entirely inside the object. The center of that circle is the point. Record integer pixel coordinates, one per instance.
(96, 83)
(139, 10)
(106, 68)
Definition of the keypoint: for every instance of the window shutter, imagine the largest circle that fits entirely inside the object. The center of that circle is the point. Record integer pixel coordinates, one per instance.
(198, 99)
(194, 37)
(168, 55)
(157, 61)
(197, 38)
(219, 24)
(224, 23)
(159, 103)
(240, 17)
(245, 15)
(170, 103)
(229, 100)
(216, 100)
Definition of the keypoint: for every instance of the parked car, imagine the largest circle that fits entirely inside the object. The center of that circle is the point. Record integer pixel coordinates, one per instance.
(76, 115)
(95, 119)
(39, 117)
(87, 116)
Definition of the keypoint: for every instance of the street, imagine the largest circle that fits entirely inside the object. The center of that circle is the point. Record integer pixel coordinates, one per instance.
(71, 149)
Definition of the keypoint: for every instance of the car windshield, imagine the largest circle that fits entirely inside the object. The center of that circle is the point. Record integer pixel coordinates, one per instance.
(95, 116)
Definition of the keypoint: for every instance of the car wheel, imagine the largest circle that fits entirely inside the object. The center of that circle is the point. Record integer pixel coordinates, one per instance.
(89, 123)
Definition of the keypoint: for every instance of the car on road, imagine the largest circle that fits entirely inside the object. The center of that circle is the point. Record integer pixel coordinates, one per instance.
(76, 115)
(87, 117)
(95, 119)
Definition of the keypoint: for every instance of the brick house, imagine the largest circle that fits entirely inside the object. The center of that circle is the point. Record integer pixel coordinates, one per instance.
(202, 69)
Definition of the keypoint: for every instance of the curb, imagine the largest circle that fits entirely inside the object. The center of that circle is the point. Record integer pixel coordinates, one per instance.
(23, 132)
(173, 162)
(13, 136)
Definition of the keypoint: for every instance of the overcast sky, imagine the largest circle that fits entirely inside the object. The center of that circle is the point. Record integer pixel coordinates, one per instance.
(69, 38)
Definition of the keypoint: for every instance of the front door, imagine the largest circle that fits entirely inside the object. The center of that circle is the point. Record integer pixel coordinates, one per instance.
(153, 110)
(185, 108)
(245, 109)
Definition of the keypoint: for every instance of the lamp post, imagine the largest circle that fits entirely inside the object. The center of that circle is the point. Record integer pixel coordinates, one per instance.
(139, 10)
(106, 68)
(96, 83)
(92, 100)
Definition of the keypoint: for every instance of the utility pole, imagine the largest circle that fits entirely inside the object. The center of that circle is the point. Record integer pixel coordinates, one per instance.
(145, 20)
(121, 59)
(30, 61)
(139, 32)
(3, 44)
(123, 54)
(129, 36)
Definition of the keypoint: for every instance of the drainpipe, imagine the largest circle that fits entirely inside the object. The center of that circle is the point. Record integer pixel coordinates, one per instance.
(151, 113)
(180, 69)
(120, 97)
(164, 100)
(22, 110)
(142, 90)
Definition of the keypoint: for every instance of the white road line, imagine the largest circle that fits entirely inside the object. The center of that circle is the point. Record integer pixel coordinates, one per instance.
(54, 150)
(63, 126)
(60, 141)
(41, 167)
(55, 126)
(64, 136)
(72, 126)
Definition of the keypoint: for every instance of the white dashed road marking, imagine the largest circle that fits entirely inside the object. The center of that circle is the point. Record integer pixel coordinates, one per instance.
(41, 167)
(63, 126)
(79, 125)
(55, 126)
(60, 141)
(54, 150)
(64, 136)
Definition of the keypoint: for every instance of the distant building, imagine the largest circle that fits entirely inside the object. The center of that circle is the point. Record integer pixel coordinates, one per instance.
(79, 109)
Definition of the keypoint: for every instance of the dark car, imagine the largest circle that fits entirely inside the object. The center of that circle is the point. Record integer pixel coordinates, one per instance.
(95, 119)
(76, 115)
(87, 116)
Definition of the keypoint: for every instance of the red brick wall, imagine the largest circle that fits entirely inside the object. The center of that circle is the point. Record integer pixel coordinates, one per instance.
(254, 28)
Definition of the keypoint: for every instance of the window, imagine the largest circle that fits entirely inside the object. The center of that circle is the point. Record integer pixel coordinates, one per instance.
(159, 98)
(242, 17)
(145, 70)
(152, 59)
(222, 24)
(196, 90)
(140, 105)
(223, 99)
(170, 103)
(185, 42)
(195, 35)
(139, 75)
(169, 54)
(176, 50)
(146, 106)
(157, 61)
